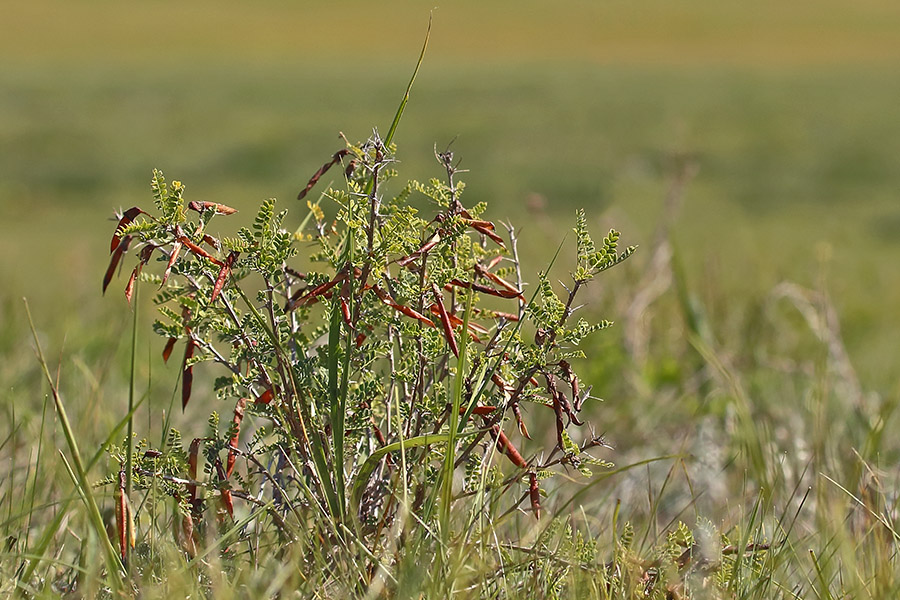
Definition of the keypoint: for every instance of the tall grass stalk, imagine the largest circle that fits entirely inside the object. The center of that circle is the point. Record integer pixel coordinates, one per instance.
(462, 368)
(79, 473)
(129, 433)
(40, 549)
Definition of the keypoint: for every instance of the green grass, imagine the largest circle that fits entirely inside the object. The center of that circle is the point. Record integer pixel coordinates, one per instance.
(788, 112)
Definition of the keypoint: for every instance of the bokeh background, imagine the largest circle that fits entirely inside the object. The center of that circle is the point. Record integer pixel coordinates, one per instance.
(785, 113)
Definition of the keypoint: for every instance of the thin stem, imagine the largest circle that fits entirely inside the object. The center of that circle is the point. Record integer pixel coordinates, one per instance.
(419, 391)
(514, 245)
(129, 433)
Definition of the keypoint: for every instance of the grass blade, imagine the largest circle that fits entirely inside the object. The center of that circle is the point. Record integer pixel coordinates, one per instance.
(412, 80)
(450, 458)
(114, 566)
(50, 531)
(365, 471)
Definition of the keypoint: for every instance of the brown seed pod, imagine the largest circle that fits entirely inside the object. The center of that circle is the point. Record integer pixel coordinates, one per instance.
(117, 254)
(145, 258)
(431, 243)
(506, 447)
(193, 453)
(236, 421)
(386, 298)
(127, 217)
(445, 320)
(225, 494)
(317, 291)
(122, 516)
(198, 251)
(186, 534)
(321, 171)
(534, 492)
(187, 374)
(220, 209)
(223, 274)
(519, 421)
(173, 256)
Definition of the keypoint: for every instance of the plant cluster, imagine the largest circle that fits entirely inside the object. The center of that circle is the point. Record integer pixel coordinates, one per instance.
(373, 371)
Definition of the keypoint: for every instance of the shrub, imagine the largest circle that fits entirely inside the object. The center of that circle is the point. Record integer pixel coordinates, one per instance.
(372, 377)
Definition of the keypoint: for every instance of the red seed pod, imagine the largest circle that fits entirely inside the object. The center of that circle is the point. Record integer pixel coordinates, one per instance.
(506, 447)
(167, 351)
(514, 293)
(173, 256)
(129, 287)
(345, 313)
(187, 375)
(476, 223)
(505, 315)
(265, 398)
(560, 426)
(494, 262)
(360, 339)
(560, 399)
(212, 242)
(120, 250)
(223, 274)
(481, 411)
(385, 297)
(474, 328)
(127, 217)
(320, 289)
(487, 232)
(145, 258)
(572, 378)
(500, 281)
(498, 381)
(413, 314)
(382, 441)
(198, 251)
(426, 247)
(445, 320)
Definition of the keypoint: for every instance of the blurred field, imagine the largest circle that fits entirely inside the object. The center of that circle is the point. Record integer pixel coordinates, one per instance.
(787, 110)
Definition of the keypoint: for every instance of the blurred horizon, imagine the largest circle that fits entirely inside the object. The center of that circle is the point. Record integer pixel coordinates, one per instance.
(788, 111)
(655, 32)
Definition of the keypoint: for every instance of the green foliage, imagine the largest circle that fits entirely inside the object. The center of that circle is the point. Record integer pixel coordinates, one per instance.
(591, 261)
(168, 199)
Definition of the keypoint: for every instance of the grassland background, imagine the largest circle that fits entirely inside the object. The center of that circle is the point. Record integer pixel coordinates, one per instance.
(788, 110)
